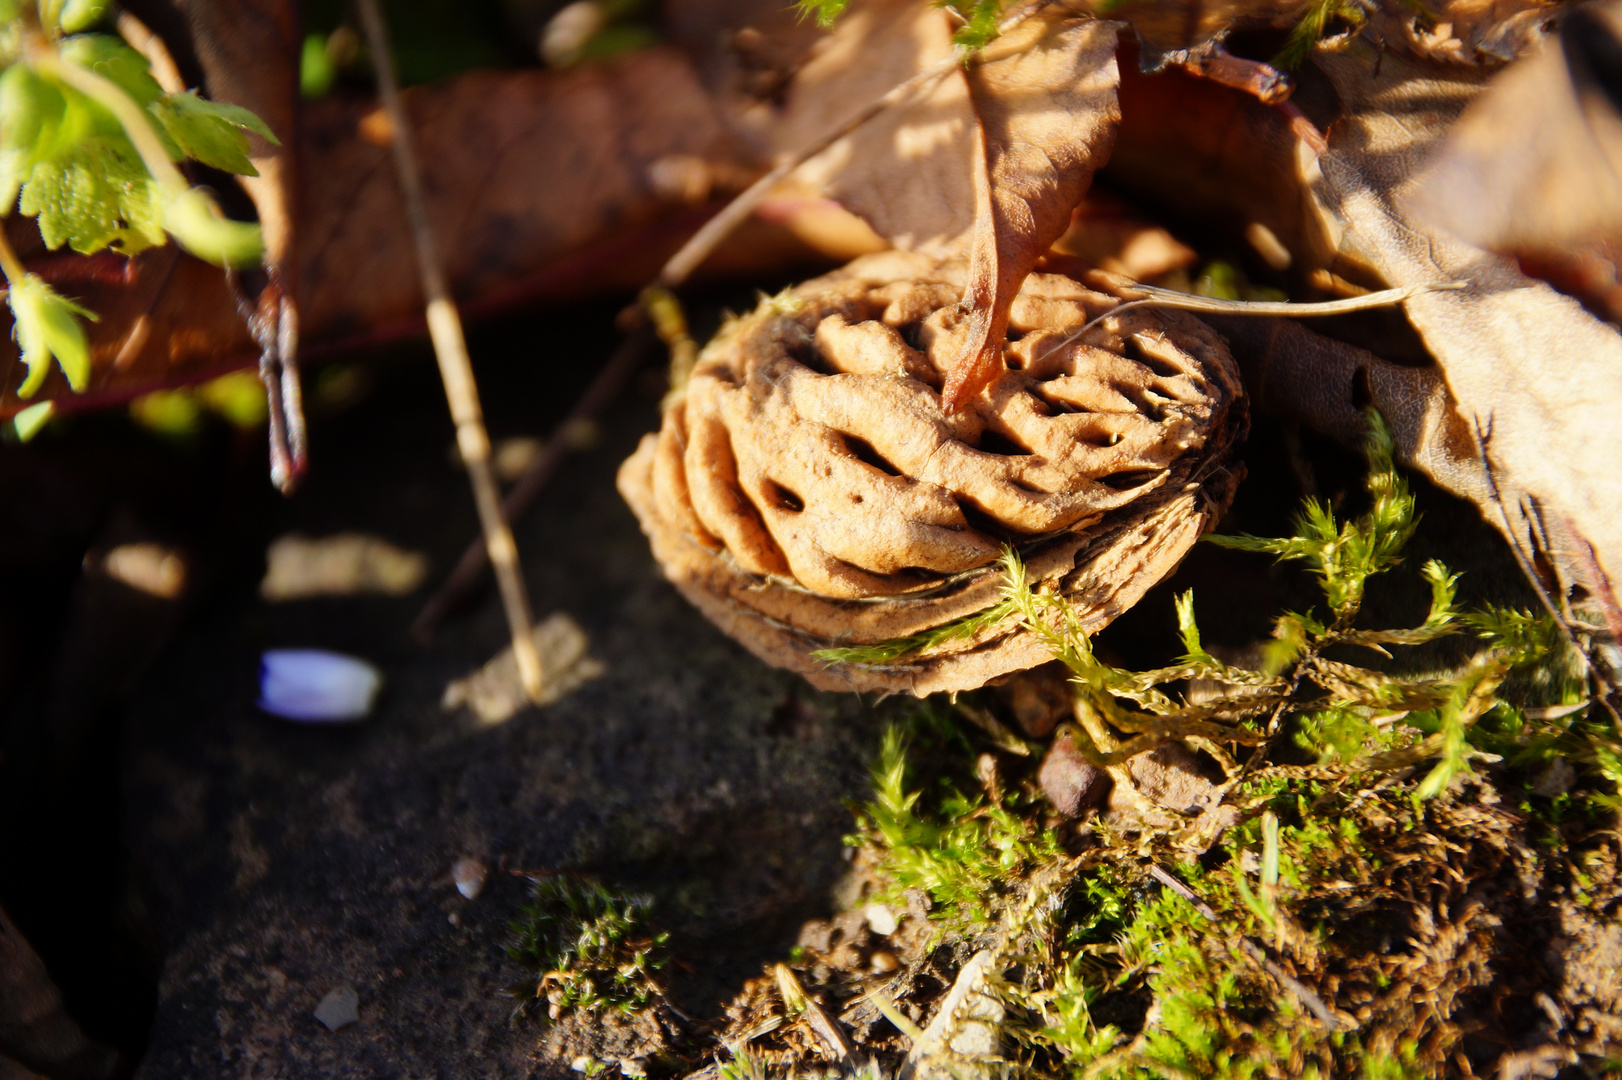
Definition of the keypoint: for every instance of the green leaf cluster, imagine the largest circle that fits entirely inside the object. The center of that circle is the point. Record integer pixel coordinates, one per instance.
(591, 948)
(73, 164)
(76, 108)
(45, 327)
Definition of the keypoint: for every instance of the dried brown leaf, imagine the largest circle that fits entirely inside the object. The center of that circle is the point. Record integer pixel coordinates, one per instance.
(1536, 378)
(908, 171)
(991, 159)
(1483, 33)
(1536, 162)
(1045, 98)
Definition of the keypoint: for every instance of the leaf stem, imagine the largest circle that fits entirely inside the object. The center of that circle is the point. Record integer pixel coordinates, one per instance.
(455, 366)
(9, 263)
(1171, 298)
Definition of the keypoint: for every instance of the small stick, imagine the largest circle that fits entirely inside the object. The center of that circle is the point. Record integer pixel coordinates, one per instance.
(703, 242)
(625, 362)
(1302, 992)
(1171, 298)
(455, 368)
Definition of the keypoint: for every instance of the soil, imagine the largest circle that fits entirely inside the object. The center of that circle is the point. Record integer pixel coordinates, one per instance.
(199, 875)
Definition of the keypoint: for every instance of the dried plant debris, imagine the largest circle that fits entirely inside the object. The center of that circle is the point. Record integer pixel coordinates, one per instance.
(1394, 875)
(809, 494)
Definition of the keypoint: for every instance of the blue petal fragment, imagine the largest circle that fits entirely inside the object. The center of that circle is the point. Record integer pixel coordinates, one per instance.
(317, 686)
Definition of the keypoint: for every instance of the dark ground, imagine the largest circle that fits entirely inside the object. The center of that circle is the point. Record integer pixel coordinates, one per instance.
(198, 875)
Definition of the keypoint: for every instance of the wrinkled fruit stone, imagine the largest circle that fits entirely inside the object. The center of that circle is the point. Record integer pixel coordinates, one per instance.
(807, 491)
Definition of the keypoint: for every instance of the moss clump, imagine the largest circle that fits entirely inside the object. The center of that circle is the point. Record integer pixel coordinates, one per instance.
(592, 949)
(1399, 871)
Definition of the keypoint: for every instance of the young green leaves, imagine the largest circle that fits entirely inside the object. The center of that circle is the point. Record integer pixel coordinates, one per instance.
(45, 327)
(88, 146)
(1345, 556)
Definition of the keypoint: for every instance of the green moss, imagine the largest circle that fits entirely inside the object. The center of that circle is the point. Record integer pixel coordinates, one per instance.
(590, 948)
(958, 848)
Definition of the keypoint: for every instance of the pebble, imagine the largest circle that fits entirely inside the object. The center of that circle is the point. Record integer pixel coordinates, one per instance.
(1069, 780)
(339, 1008)
(494, 692)
(317, 686)
(882, 962)
(151, 568)
(300, 567)
(1555, 779)
(469, 875)
(881, 919)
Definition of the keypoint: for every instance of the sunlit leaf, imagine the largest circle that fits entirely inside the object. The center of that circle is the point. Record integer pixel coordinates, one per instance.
(47, 325)
(210, 131)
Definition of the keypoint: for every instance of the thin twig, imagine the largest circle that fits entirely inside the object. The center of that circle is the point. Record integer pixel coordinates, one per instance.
(1255, 952)
(1171, 298)
(624, 363)
(703, 242)
(455, 368)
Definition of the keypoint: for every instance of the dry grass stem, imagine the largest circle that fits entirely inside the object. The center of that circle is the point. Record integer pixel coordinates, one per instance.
(455, 368)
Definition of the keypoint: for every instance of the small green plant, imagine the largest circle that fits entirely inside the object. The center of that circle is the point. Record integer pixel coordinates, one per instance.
(593, 949)
(88, 147)
(1345, 713)
(958, 851)
(1271, 954)
(887, 651)
(1312, 26)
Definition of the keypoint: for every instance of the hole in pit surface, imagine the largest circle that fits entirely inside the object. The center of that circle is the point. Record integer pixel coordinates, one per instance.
(802, 349)
(995, 442)
(868, 454)
(782, 498)
(1126, 481)
(980, 521)
(1135, 352)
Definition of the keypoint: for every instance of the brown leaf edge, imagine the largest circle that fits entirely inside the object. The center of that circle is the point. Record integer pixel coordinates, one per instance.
(1045, 96)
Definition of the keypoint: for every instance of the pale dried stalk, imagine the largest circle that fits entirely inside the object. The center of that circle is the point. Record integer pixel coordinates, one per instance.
(455, 368)
(1287, 309)
(719, 227)
(624, 363)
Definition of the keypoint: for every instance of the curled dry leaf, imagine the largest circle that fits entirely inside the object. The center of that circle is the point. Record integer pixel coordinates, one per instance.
(1515, 361)
(1036, 150)
(990, 159)
(810, 492)
(1292, 371)
(1535, 163)
(1537, 379)
(1484, 33)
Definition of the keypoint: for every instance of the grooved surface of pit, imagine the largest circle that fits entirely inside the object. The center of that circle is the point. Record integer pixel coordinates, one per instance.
(810, 445)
